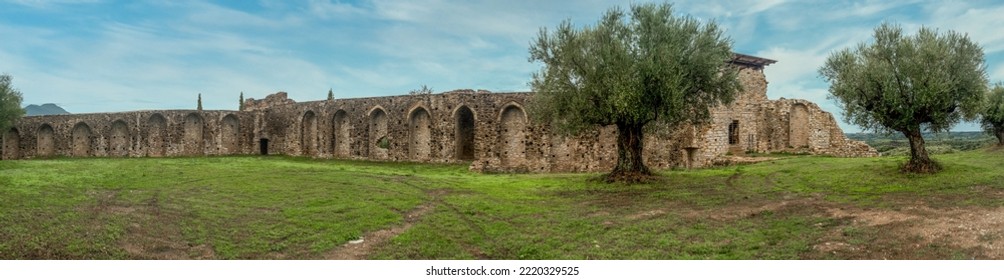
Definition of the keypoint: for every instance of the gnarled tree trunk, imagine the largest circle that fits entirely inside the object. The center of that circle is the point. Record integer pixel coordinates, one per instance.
(919, 162)
(630, 164)
(1000, 137)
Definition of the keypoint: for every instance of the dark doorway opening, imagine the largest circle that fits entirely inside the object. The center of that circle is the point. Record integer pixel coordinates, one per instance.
(263, 143)
(465, 134)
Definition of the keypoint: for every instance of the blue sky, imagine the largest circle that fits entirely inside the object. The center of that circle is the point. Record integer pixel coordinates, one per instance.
(105, 56)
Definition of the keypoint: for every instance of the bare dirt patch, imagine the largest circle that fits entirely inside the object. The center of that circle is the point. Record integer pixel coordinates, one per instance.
(361, 249)
(976, 231)
(916, 231)
(739, 160)
(153, 231)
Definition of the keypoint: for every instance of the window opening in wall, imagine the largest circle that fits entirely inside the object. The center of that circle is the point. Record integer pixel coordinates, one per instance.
(263, 143)
(734, 133)
(383, 143)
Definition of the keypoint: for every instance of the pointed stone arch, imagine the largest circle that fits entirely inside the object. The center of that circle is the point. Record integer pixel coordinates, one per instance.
(798, 126)
(419, 134)
(12, 144)
(341, 138)
(80, 146)
(308, 134)
(46, 141)
(464, 128)
(230, 135)
(512, 135)
(156, 136)
(119, 140)
(193, 142)
(378, 142)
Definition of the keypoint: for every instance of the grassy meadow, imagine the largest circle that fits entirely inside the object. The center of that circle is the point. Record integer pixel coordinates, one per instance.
(792, 207)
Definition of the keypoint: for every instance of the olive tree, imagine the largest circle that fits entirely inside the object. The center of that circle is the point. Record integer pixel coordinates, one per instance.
(908, 84)
(993, 114)
(10, 104)
(633, 70)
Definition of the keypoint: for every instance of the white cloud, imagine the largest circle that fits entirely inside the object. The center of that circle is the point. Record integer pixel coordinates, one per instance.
(760, 6)
(325, 9)
(981, 23)
(728, 8)
(867, 8)
(801, 63)
(156, 66)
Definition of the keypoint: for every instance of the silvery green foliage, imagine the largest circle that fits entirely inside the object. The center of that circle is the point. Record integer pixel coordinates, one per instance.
(630, 69)
(929, 81)
(993, 113)
(10, 103)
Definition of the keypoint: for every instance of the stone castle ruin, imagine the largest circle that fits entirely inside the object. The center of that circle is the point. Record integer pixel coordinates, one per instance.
(492, 131)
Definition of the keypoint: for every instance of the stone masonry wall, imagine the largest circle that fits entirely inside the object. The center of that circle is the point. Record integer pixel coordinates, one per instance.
(490, 130)
(130, 134)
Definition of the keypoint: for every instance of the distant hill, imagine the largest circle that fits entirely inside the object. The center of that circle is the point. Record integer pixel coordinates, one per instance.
(936, 143)
(45, 109)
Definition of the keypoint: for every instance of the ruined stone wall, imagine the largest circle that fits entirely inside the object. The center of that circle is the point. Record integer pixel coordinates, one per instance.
(493, 131)
(414, 127)
(131, 134)
(734, 128)
(800, 126)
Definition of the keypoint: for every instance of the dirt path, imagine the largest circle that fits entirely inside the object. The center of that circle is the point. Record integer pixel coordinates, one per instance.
(913, 231)
(361, 249)
(973, 229)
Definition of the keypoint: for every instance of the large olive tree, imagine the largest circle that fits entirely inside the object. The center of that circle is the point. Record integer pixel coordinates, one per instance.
(928, 81)
(10, 104)
(630, 70)
(993, 114)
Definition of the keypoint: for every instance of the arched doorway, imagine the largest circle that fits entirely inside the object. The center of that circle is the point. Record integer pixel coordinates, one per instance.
(193, 136)
(156, 136)
(119, 141)
(229, 135)
(512, 136)
(420, 134)
(464, 133)
(341, 130)
(308, 134)
(81, 144)
(378, 141)
(46, 144)
(12, 144)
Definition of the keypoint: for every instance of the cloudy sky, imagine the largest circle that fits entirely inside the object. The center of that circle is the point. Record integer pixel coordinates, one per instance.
(104, 55)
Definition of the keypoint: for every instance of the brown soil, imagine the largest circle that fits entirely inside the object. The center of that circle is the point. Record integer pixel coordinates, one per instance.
(361, 249)
(155, 232)
(920, 232)
(916, 231)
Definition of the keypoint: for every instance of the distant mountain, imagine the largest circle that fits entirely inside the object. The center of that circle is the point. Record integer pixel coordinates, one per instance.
(45, 109)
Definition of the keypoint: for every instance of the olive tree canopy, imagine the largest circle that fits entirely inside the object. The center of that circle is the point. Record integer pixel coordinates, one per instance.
(10, 104)
(929, 81)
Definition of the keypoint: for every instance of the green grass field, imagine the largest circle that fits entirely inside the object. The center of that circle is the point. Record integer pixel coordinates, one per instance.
(798, 207)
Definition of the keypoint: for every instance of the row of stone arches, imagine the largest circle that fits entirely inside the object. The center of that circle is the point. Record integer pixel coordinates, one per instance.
(122, 141)
(418, 136)
(420, 133)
